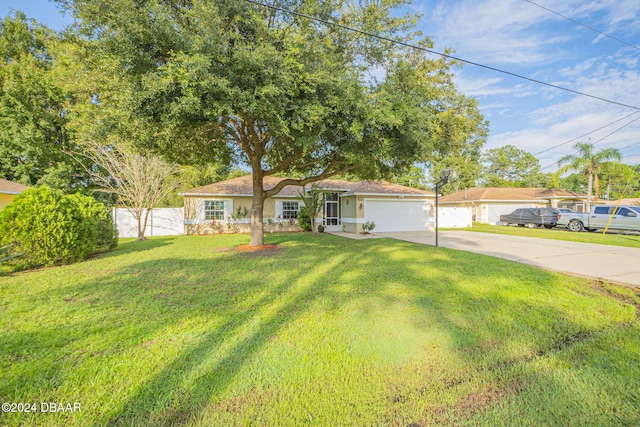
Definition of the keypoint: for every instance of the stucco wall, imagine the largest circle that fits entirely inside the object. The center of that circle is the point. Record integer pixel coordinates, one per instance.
(195, 223)
(352, 213)
(5, 199)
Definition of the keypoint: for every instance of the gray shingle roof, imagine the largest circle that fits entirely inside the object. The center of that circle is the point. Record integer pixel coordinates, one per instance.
(243, 186)
(483, 194)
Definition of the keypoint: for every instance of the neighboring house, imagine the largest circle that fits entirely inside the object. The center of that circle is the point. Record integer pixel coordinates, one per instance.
(8, 191)
(221, 206)
(629, 201)
(487, 204)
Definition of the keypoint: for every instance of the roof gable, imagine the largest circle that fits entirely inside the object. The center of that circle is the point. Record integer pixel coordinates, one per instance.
(10, 187)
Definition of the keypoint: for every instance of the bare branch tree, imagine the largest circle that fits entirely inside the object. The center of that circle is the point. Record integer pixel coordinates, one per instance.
(140, 182)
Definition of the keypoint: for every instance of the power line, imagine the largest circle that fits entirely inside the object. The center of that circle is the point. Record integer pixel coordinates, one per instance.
(584, 25)
(627, 146)
(586, 134)
(601, 139)
(444, 55)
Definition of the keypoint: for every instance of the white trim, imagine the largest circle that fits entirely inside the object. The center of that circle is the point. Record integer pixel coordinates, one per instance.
(398, 195)
(200, 214)
(209, 195)
(349, 220)
(279, 209)
(213, 195)
(396, 200)
(492, 200)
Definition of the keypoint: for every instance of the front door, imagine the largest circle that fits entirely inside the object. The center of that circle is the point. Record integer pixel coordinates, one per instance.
(331, 212)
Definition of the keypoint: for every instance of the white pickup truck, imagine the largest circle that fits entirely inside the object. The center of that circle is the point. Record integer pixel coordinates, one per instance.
(616, 218)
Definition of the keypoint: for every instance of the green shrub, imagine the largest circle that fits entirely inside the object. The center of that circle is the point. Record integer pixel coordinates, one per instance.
(303, 219)
(368, 226)
(48, 227)
(100, 218)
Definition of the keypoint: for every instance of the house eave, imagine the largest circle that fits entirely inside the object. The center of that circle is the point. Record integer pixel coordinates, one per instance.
(494, 200)
(389, 195)
(231, 195)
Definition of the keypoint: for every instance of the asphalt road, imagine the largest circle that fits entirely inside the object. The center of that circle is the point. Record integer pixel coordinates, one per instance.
(614, 264)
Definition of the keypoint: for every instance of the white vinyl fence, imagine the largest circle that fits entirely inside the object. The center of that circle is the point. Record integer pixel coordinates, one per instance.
(454, 217)
(161, 222)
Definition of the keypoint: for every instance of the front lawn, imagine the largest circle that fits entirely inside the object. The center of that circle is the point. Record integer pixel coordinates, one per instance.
(320, 331)
(631, 240)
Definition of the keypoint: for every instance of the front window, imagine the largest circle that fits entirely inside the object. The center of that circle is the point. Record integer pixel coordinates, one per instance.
(289, 210)
(213, 209)
(624, 212)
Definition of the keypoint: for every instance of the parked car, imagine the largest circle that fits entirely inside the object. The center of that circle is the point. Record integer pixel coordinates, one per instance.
(600, 217)
(532, 217)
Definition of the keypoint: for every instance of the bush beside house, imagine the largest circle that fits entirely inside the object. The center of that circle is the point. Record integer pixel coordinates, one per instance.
(50, 227)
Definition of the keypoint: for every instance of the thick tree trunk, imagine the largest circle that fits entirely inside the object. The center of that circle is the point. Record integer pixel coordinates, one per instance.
(257, 210)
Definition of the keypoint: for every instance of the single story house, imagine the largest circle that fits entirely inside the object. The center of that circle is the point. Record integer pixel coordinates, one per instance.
(8, 191)
(633, 201)
(487, 204)
(226, 206)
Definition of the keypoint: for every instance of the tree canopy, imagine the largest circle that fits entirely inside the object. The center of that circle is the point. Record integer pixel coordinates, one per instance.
(510, 166)
(33, 133)
(279, 92)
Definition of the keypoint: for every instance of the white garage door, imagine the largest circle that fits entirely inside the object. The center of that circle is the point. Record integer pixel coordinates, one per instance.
(397, 215)
(495, 210)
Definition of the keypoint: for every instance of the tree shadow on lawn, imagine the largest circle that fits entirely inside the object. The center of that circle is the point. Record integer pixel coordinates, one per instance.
(233, 305)
(134, 246)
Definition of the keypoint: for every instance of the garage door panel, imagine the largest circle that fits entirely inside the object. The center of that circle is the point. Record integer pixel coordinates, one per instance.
(397, 215)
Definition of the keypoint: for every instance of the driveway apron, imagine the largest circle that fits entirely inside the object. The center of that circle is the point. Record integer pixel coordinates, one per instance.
(614, 264)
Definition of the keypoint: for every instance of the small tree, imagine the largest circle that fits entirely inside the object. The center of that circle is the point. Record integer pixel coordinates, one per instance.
(368, 227)
(589, 163)
(140, 182)
(313, 202)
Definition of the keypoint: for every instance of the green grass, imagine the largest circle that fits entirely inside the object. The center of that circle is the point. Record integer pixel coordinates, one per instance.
(613, 239)
(321, 331)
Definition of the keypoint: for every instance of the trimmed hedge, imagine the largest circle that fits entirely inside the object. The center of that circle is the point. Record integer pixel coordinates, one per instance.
(51, 227)
(102, 223)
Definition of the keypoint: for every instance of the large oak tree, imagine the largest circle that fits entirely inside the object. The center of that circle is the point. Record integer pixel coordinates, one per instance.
(280, 92)
(33, 125)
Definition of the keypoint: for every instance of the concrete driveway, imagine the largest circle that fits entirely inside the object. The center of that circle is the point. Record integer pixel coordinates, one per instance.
(611, 263)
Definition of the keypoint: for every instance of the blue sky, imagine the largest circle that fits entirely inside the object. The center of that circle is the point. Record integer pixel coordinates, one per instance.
(522, 38)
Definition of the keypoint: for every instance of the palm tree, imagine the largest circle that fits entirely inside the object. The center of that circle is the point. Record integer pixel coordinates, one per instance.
(588, 162)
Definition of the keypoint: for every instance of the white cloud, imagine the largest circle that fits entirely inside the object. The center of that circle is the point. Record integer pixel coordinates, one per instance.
(496, 31)
(519, 37)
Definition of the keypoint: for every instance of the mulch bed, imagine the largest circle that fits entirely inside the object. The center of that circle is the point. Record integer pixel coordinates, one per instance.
(257, 248)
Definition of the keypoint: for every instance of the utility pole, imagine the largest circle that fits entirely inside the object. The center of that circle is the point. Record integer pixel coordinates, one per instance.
(447, 176)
